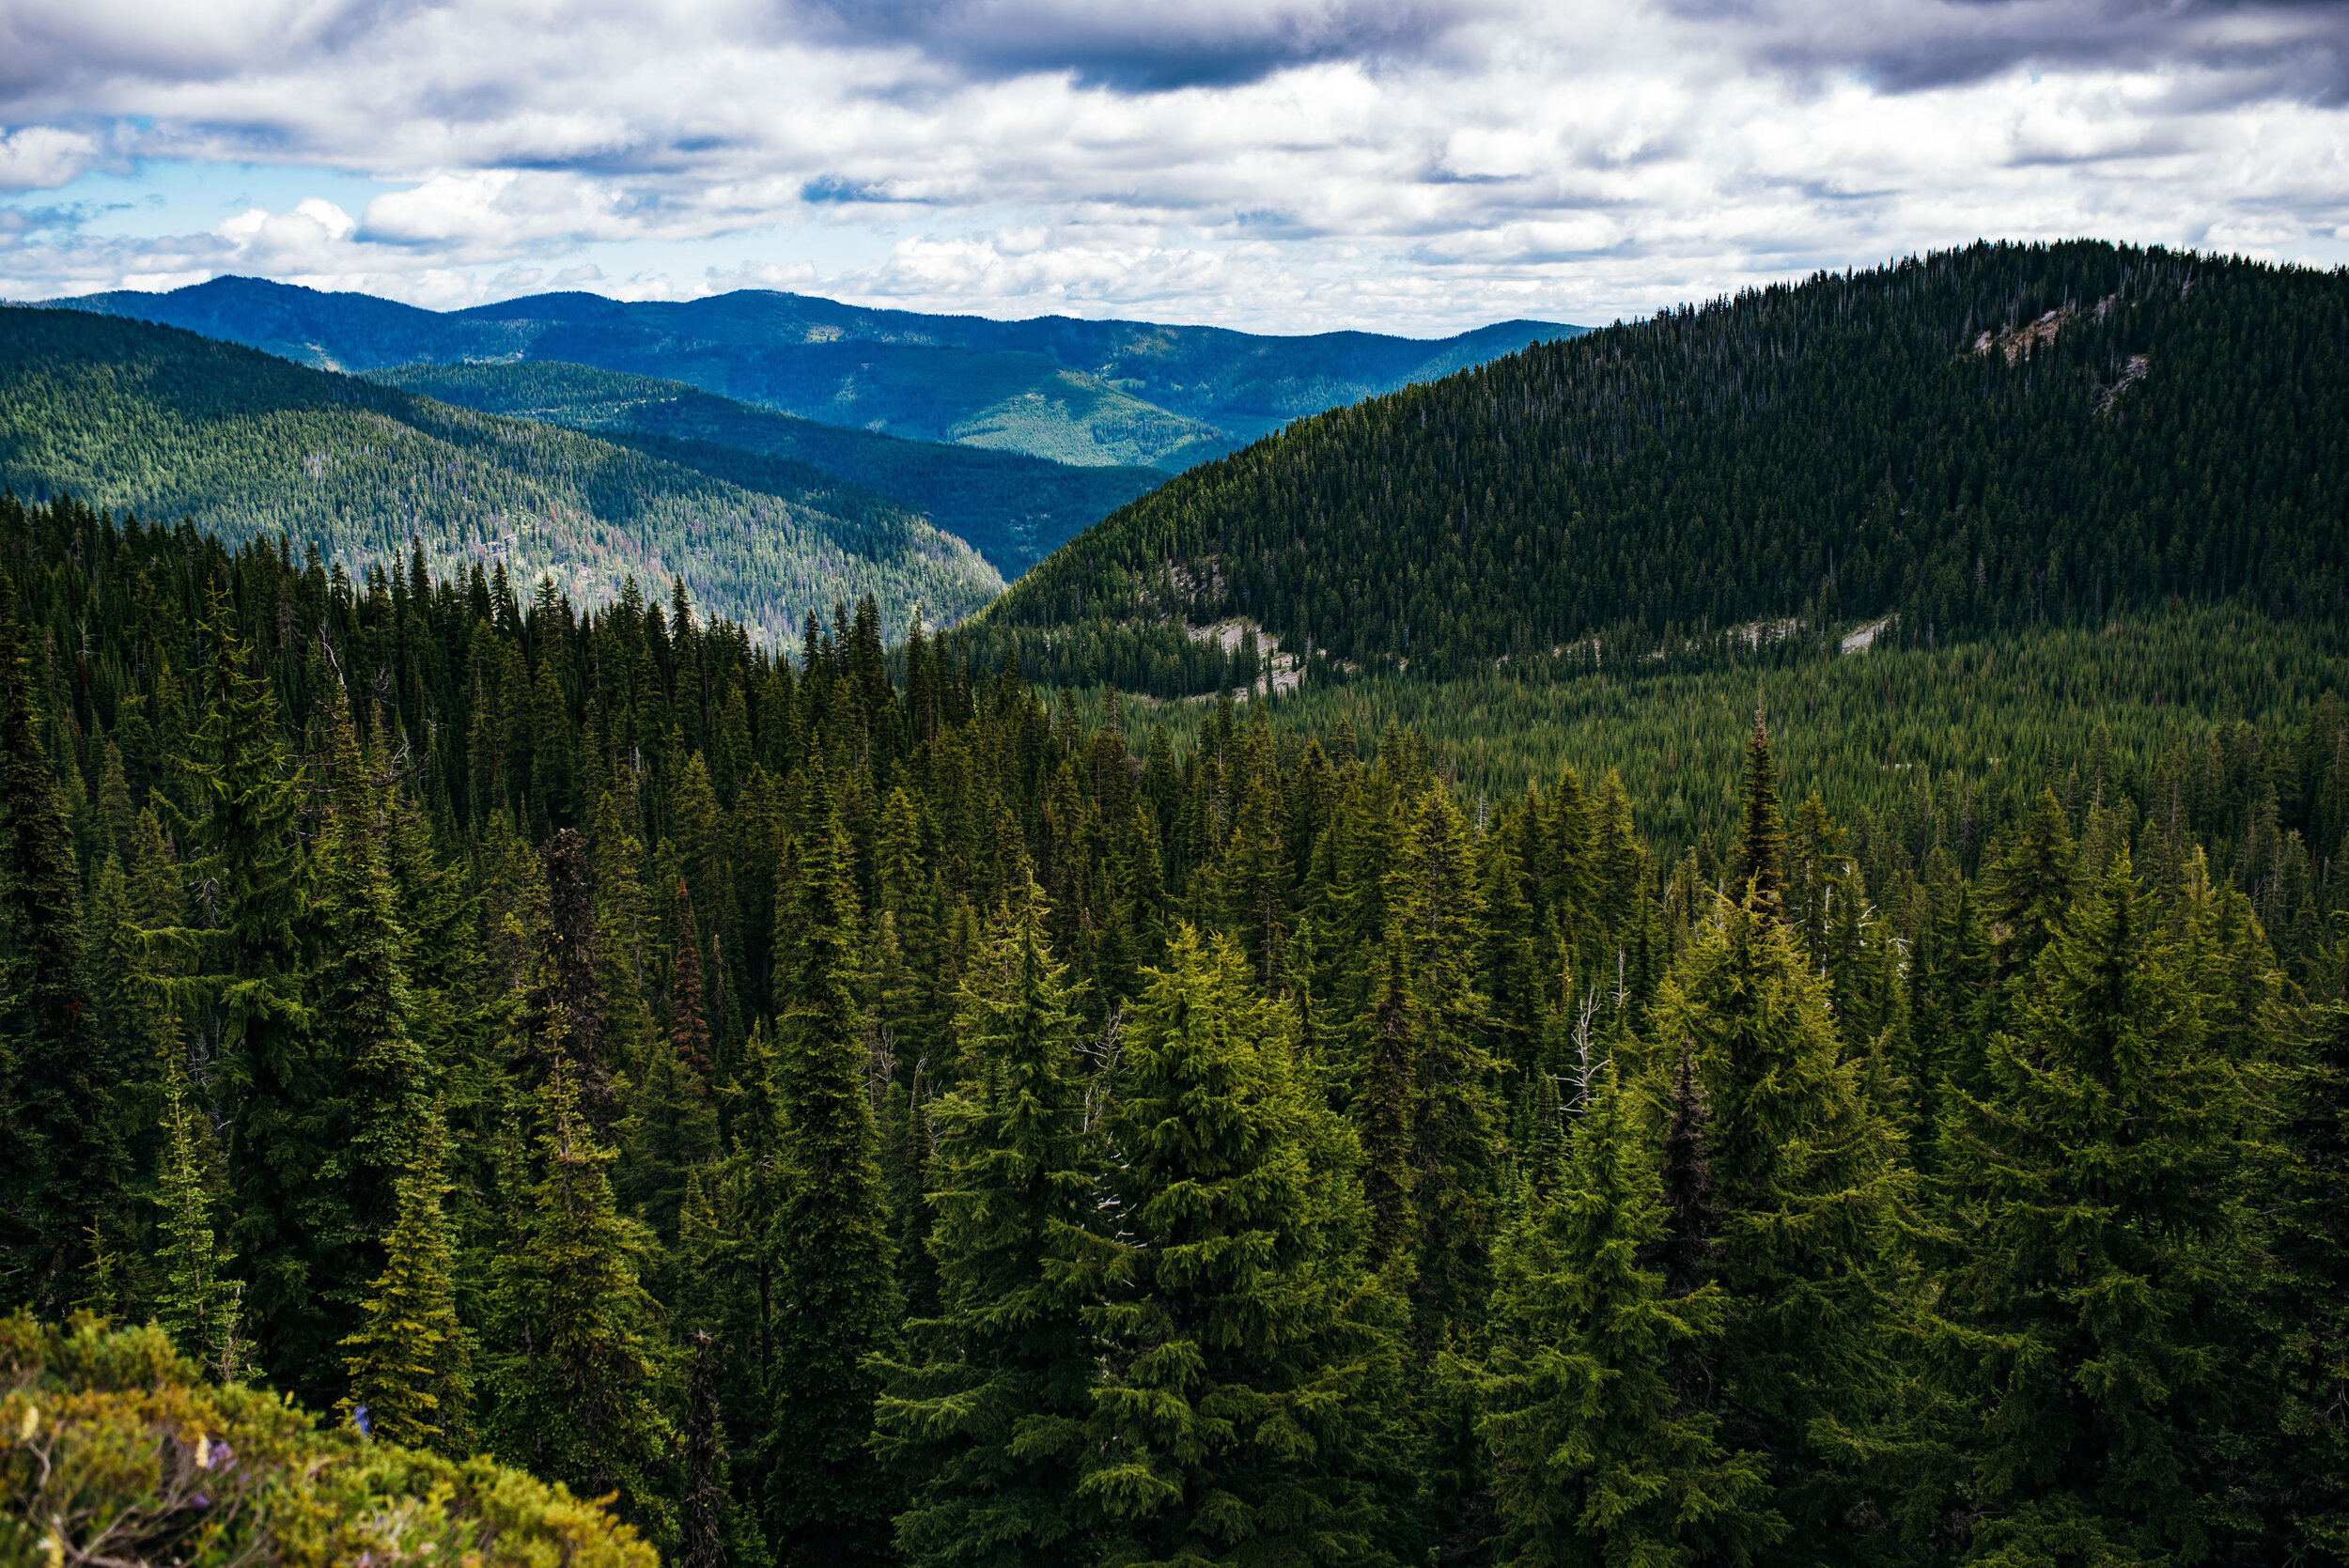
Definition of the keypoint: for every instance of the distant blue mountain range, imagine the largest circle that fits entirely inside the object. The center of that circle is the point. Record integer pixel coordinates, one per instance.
(1095, 394)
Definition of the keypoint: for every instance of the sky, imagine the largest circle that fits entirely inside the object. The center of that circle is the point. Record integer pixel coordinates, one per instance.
(1281, 165)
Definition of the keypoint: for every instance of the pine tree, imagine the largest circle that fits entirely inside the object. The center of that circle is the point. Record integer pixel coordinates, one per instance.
(412, 1363)
(2102, 1191)
(989, 1425)
(837, 1298)
(1601, 1458)
(1761, 862)
(2310, 1302)
(247, 977)
(712, 1531)
(579, 1360)
(1689, 1254)
(1805, 1181)
(1384, 1115)
(377, 1080)
(564, 1009)
(62, 1160)
(1455, 1122)
(2029, 889)
(689, 1030)
(198, 1303)
(1246, 1412)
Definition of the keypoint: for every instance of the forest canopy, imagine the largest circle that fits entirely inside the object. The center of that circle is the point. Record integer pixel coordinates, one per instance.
(851, 1109)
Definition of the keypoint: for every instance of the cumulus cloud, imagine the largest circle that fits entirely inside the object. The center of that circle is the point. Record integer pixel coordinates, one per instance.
(1410, 165)
(42, 157)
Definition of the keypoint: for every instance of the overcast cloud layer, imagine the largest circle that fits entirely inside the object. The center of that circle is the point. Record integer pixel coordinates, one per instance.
(1283, 166)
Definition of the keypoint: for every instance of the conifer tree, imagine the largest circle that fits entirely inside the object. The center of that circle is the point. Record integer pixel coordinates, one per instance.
(712, 1531)
(1761, 862)
(248, 978)
(1383, 1110)
(689, 1030)
(2029, 889)
(1689, 1254)
(2309, 1295)
(411, 1363)
(1600, 1456)
(1247, 1405)
(1456, 1123)
(197, 1302)
(1805, 1179)
(564, 1007)
(62, 1161)
(2101, 1188)
(989, 1422)
(837, 1298)
(579, 1361)
(376, 1077)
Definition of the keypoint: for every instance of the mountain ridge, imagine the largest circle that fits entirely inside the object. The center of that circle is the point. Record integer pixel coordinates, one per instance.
(1971, 440)
(161, 422)
(1106, 392)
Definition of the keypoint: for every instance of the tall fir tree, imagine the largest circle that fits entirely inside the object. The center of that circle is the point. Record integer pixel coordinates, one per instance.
(1761, 862)
(1602, 1456)
(1807, 1183)
(411, 1360)
(247, 978)
(1248, 1408)
(713, 1530)
(989, 1422)
(375, 1078)
(837, 1305)
(1455, 1118)
(2102, 1191)
(198, 1304)
(63, 1159)
(2308, 1299)
(573, 1388)
(689, 1026)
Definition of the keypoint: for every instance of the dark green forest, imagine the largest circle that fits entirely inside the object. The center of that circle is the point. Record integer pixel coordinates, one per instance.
(161, 422)
(1012, 509)
(851, 1108)
(1970, 442)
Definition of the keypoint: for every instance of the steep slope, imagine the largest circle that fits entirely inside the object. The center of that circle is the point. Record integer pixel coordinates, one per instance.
(1087, 391)
(1987, 438)
(1013, 508)
(160, 422)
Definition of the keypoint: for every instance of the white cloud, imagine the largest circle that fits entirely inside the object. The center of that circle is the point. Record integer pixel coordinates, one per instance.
(43, 157)
(1289, 165)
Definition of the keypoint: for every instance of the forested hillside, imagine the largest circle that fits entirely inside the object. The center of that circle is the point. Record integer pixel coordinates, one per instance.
(2001, 436)
(847, 1110)
(1014, 509)
(161, 423)
(1096, 393)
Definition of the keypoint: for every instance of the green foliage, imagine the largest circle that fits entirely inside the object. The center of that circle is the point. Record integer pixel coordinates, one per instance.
(1970, 442)
(989, 1425)
(199, 1305)
(827, 1502)
(62, 1163)
(1244, 1403)
(1214, 1238)
(110, 1450)
(574, 1396)
(1604, 1454)
(2104, 1175)
(149, 420)
(1015, 509)
(1806, 1184)
(412, 1366)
